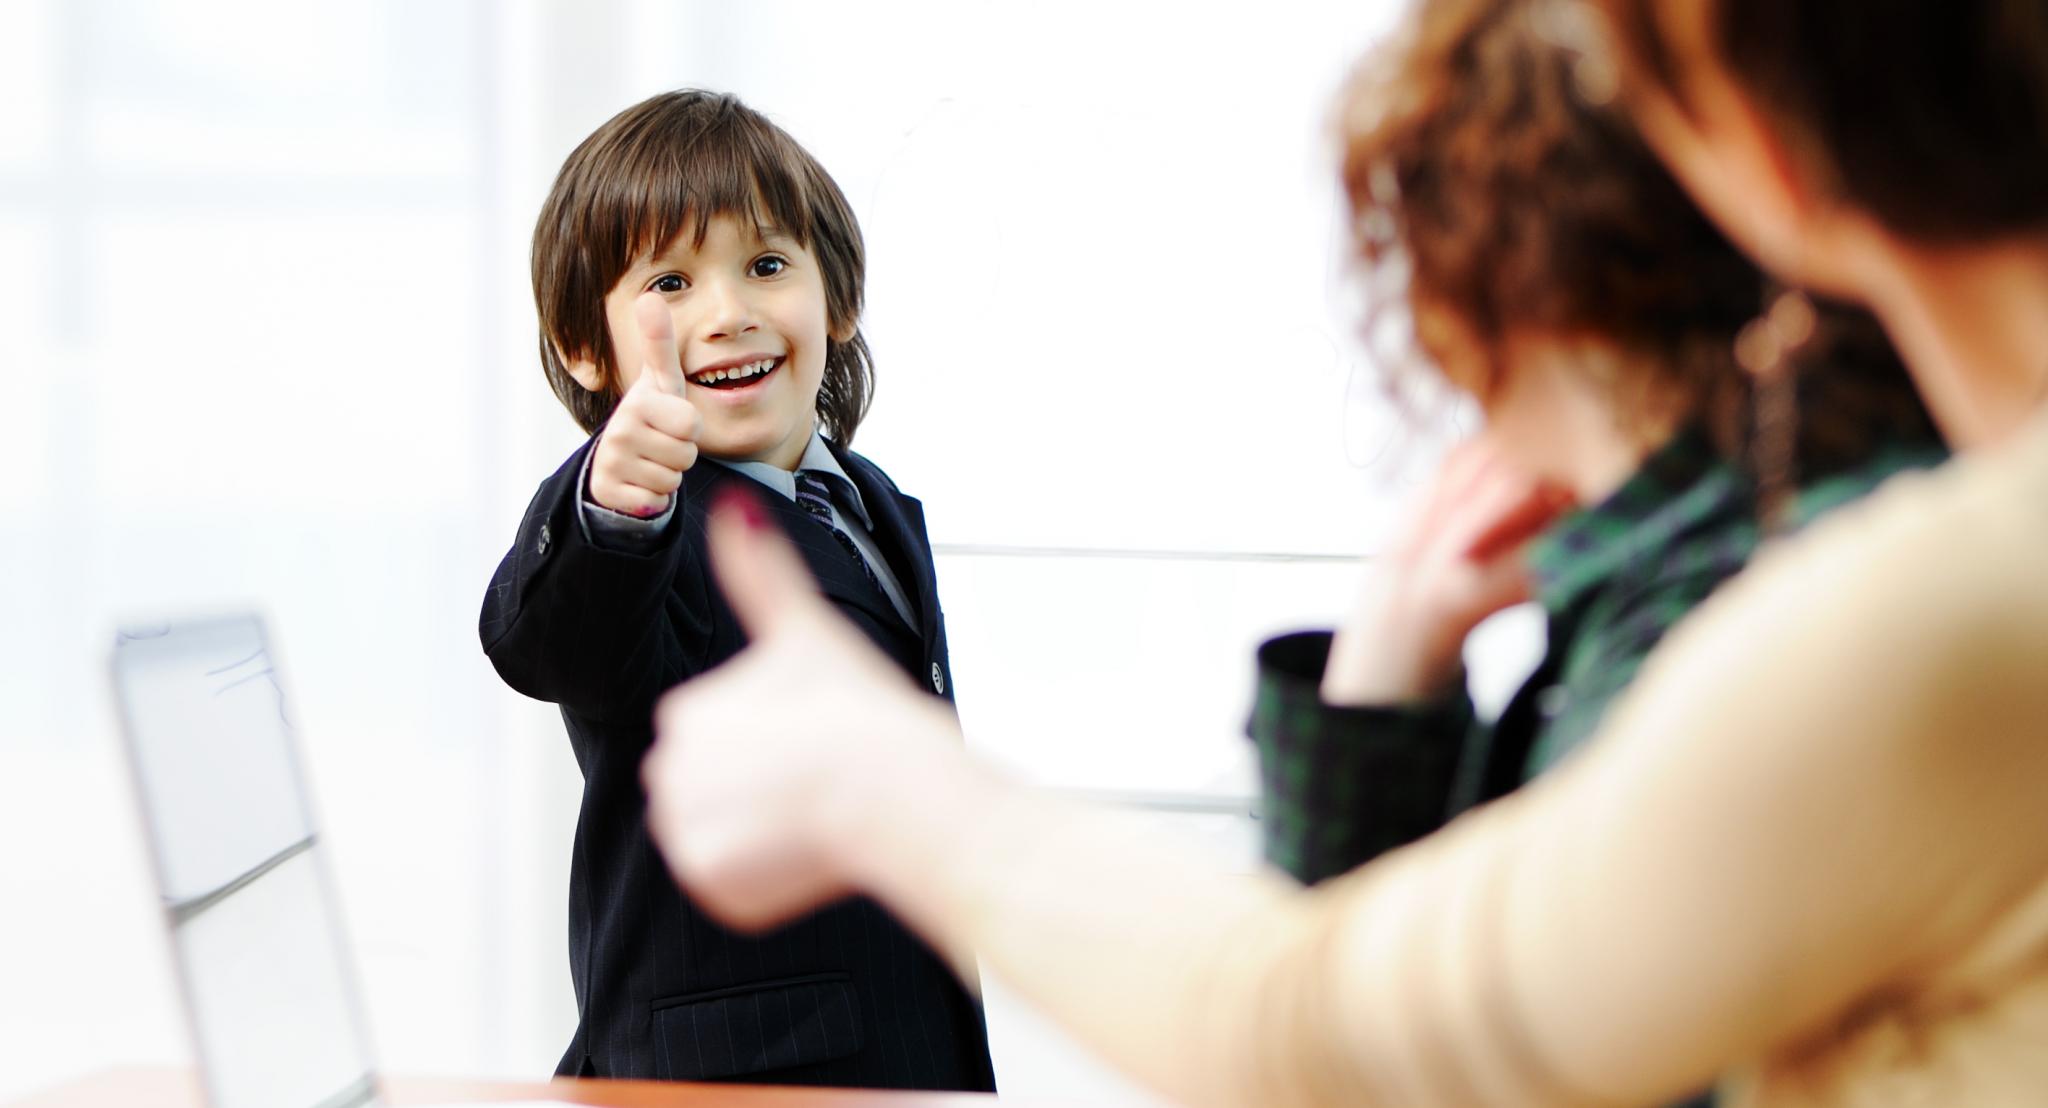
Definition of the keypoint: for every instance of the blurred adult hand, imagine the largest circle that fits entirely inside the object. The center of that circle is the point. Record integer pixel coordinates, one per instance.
(768, 773)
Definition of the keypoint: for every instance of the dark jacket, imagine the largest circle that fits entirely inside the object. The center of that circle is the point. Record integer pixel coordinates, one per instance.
(846, 996)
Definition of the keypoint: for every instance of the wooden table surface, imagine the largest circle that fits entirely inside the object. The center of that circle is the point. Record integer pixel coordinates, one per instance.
(176, 1088)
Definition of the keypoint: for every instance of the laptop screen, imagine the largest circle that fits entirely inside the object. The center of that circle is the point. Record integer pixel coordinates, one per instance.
(245, 891)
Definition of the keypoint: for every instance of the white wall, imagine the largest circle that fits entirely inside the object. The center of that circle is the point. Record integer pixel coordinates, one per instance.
(262, 276)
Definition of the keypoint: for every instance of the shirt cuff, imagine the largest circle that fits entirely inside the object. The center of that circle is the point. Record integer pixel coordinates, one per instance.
(617, 531)
(1342, 785)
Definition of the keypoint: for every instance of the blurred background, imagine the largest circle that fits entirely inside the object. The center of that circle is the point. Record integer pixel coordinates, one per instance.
(269, 341)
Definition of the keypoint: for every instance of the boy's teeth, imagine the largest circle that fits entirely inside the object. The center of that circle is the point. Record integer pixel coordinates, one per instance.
(738, 372)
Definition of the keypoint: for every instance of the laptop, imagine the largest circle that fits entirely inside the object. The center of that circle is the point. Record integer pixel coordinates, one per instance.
(266, 972)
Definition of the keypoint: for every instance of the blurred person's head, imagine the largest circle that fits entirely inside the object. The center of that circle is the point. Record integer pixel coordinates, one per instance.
(696, 197)
(1855, 146)
(1554, 269)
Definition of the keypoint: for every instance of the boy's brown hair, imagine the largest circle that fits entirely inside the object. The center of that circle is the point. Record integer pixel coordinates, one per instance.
(671, 162)
(1483, 178)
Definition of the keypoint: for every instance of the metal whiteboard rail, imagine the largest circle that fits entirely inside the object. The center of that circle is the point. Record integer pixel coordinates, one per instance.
(1177, 802)
(985, 550)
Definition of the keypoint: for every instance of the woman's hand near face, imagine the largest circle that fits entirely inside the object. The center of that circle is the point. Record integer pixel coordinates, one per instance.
(1460, 562)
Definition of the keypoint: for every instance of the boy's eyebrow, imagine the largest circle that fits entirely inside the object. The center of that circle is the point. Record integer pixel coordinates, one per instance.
(763, 233)
(654, 259)
(676, 247)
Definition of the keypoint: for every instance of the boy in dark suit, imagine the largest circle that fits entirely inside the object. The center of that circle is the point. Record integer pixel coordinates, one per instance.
(698, 278)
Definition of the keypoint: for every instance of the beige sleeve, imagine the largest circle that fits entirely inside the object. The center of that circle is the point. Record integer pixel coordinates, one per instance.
(1822, 787)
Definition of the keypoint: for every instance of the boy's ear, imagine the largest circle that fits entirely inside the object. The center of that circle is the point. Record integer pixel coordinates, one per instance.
(582, 368)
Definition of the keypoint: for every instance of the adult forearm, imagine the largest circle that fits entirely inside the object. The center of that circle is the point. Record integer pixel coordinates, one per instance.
(1183, 975)
(1405, 983)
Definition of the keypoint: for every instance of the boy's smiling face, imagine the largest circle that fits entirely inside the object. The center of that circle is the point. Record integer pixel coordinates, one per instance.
(751, 327)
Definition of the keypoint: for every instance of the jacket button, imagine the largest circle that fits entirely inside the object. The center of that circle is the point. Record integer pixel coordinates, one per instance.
(541, 547)
(938, 679)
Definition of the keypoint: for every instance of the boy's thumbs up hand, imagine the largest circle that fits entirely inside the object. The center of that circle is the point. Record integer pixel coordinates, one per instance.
(767, 771)
(651, 439)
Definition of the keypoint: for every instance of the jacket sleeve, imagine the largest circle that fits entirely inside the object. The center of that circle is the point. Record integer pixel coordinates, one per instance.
(1340, 786)
(597, 630)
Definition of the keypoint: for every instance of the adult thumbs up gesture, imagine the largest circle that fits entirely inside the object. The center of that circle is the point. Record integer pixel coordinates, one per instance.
(772, 776)
(651, 439)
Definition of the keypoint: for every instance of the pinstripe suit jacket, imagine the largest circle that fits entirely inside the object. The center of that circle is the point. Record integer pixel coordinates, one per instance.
(846, 996)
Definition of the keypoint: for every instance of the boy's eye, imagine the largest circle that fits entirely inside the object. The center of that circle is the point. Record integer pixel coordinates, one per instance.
(768, 265)
(668, 282)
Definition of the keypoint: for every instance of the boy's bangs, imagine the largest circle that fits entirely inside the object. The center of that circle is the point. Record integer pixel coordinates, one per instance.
(725, 172)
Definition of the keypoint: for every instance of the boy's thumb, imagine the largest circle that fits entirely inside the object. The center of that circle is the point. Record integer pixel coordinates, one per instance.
(764, 579)
(663, 368)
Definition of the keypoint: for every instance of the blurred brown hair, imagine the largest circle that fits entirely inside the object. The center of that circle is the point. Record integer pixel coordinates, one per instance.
(1931, 116)
(1479, 173)
(671, 162)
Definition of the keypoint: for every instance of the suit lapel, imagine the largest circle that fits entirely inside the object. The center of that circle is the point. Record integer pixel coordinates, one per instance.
(838, 576)
(899, 532)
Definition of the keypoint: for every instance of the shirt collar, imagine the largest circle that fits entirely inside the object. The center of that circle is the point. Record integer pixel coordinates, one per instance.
(1683, 490)
(817, 456)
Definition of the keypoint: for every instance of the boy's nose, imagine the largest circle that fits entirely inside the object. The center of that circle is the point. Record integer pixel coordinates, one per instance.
(727, 312)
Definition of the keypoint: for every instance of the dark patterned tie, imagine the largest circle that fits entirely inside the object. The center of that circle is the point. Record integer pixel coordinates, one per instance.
(815, 498)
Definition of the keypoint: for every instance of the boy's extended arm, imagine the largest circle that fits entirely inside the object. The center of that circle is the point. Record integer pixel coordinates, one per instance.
(573, 619)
